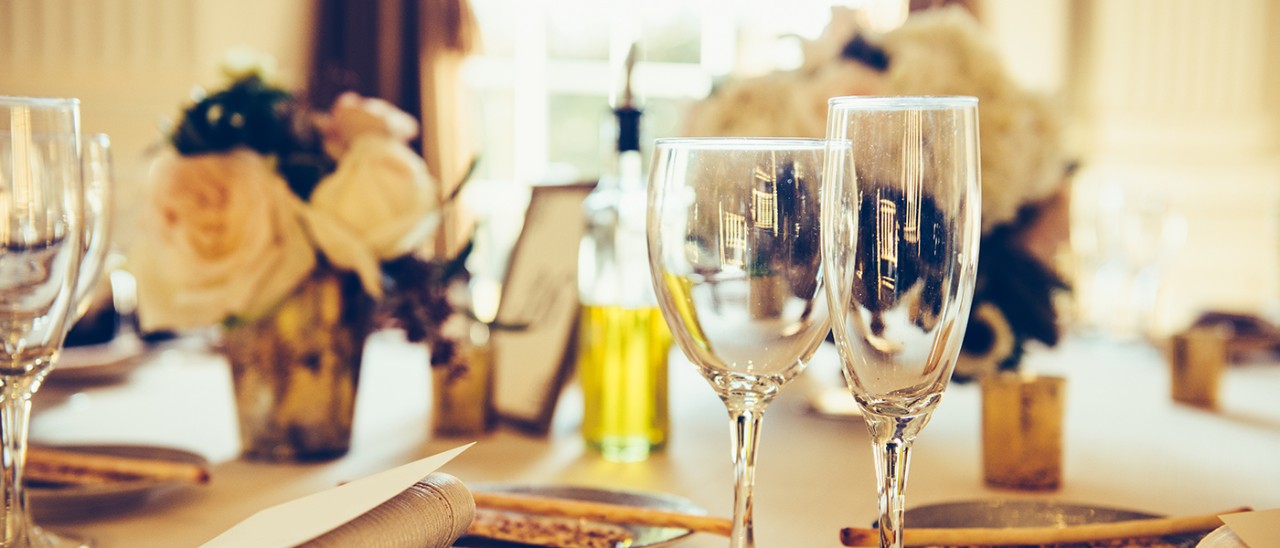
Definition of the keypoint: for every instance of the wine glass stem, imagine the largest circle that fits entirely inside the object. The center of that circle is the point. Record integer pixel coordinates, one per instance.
(15, 415)
(892, 438)
(746, 438)
(892, 457)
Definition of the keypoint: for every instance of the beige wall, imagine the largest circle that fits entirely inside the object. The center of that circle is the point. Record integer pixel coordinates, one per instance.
(133, 63)
(1174, 100)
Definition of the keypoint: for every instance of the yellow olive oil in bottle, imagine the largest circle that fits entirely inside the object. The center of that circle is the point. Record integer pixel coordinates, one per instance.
(623, 371)
(623, 341)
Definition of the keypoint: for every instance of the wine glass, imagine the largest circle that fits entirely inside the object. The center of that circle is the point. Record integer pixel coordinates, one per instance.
(735, 260)
(900, 230)
(98, 197)
(41, 243)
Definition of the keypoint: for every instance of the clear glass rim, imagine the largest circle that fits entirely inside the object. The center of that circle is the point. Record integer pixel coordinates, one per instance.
(741, 143)
(43, 102)
(903, 102)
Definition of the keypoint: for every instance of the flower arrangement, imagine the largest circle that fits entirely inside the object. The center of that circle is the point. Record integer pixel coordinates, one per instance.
(935, 52)
(256, 193)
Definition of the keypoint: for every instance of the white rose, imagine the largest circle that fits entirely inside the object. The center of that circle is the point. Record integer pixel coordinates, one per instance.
(380, 204)
(221, 239)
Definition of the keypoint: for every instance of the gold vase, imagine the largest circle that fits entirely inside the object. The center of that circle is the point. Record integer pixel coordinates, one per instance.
(462, 379)
(295, 370)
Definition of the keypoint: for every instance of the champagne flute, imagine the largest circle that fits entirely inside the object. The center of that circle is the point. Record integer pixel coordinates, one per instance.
(41, 244)
(734, 256)
(900, 230)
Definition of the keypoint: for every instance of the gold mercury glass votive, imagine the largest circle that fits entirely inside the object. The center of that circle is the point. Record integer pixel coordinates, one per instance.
(1198, 358)
(462, 388)
(1022, 431)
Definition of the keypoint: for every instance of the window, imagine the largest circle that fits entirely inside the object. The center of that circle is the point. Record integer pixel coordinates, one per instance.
(541, 85)
(543, 79)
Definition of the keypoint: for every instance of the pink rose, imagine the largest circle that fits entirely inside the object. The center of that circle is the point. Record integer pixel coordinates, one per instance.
(222, 238)
(353, 116)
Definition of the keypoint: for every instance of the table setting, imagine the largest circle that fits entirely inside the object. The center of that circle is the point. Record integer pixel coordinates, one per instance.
(289, 355)
(793, 504)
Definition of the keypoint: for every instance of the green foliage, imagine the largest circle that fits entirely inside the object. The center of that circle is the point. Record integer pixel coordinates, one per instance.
(251, 113)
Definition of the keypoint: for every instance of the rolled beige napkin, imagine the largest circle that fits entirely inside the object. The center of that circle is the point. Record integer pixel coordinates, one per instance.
(432, 513)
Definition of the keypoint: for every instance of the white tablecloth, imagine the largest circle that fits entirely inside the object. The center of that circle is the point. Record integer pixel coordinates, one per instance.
(1127, 445)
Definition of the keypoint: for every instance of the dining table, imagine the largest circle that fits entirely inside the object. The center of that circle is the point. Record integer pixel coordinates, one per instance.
(1126, 443)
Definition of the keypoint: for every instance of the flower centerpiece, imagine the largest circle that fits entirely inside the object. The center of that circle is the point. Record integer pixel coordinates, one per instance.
(299, 232)
(1024, 168)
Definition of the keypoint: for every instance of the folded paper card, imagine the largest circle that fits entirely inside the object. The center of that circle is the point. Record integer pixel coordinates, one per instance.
(409, 505)
(1258, 528)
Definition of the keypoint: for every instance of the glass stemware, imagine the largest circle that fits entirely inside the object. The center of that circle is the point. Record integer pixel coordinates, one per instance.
(900, 230)
(41, 245)
(734, 254)
(98, 197)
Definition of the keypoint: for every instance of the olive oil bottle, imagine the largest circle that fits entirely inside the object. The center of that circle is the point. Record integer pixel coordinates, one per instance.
(623, 341)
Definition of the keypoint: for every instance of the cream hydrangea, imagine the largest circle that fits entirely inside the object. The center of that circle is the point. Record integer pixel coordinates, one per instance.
(946, 52)
(936, 52)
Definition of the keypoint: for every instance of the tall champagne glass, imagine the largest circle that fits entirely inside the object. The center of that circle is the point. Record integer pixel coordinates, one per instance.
(41, 242)
(734, 255)
(900, 229)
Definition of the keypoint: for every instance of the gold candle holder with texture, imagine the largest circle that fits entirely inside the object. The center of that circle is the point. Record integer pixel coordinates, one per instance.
(1198, 358)
(1022, 420)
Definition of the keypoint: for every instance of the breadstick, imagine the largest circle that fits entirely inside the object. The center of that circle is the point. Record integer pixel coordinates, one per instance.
(61, 466)
(600, 511)
(1154, 527)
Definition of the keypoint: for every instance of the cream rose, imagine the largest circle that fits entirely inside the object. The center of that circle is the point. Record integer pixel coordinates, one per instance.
(221, 239)
(380, 204)
(353, 116)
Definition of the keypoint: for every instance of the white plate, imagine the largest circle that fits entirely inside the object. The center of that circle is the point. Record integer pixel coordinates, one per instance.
(99, 362)
(61, 503)
(1026, 513)
(643, 536)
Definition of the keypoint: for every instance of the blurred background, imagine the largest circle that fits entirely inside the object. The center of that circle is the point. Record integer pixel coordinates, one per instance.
(1170, 105)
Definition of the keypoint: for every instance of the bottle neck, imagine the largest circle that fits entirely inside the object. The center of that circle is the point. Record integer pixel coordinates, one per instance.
(628, 168)
(630, 172)
(628, 128)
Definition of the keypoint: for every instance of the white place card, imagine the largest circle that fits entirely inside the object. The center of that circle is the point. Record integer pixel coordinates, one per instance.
(540, 294)
(300, 520)
(1257, 529)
